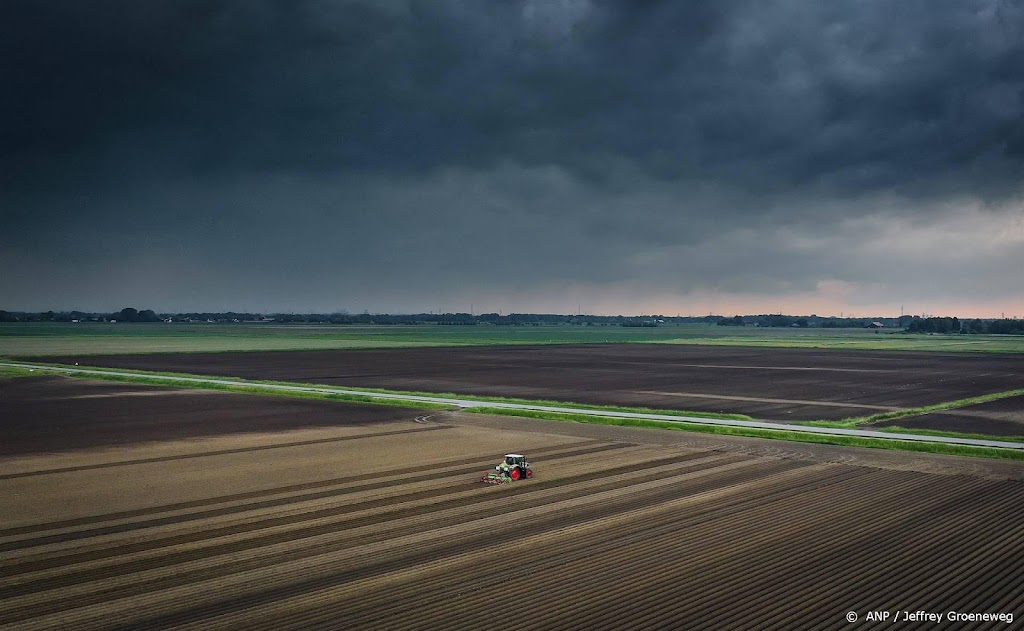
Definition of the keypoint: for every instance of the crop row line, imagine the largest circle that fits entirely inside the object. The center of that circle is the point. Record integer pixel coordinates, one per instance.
(431, 551)
(282, 490)
(498, 552)
(344, 528)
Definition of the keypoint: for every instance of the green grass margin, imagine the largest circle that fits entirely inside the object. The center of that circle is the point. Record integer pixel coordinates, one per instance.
(752, 432)
(896, 429)
(10, 371)
(858, 421)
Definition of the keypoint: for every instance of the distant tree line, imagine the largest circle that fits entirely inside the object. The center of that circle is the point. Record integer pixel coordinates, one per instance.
(780, 320)
(127, 314)
(911, 324)
(934, 325)
(1004, 326)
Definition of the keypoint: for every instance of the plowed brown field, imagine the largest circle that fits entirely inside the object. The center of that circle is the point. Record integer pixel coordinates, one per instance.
(386, 528)
(48, 414)
(768, 383)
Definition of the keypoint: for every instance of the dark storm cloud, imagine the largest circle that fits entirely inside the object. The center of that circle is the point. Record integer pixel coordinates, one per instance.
(493, 142)
(863, 94)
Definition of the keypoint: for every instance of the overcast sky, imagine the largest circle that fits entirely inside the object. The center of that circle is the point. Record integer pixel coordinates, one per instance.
(852, 156)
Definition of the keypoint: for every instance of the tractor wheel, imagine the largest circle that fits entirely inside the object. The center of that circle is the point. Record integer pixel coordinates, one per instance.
(516, 473)
(529, 473)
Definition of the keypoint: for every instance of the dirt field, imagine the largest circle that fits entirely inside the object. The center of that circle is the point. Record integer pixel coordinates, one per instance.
(774, 384)
(1004, 417)
(47, 414)
(382, 525)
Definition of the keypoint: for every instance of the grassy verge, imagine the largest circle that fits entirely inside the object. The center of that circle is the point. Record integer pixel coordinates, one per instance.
(446, 395)
(857, 421)
(6, 371)
(796, 435)
(896, 429)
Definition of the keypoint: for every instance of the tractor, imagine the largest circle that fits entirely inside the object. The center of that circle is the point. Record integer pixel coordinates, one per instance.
(514, 467)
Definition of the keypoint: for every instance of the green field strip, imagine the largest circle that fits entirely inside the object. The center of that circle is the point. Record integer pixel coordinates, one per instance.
(889, 342)
(24, 339)
(94, 338)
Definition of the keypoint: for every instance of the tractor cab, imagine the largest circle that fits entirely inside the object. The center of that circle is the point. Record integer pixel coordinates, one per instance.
(515, 459)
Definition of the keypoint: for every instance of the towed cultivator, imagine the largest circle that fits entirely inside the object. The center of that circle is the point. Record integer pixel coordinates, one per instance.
(514, 467)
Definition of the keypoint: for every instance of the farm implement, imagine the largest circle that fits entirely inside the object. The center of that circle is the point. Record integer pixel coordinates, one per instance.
(513, 468)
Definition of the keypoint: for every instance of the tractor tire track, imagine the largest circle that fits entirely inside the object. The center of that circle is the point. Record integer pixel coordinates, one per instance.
(435, 550)
(218, 512)
(668, 540)
(522, 494)
(224, 499)
(220, 452)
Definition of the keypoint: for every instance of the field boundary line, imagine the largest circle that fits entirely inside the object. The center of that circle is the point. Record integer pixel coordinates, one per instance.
(945, 406)
(468, 403)
(731, 397)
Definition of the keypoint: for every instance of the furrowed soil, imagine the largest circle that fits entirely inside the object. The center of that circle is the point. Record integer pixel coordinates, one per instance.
(384, 525)
(778, 384)
(1004, 417)
(46, 414)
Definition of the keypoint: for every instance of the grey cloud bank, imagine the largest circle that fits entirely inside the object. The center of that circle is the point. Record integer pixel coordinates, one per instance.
(404, 156)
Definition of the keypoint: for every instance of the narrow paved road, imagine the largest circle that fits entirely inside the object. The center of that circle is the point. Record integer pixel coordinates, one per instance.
(468, 403)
